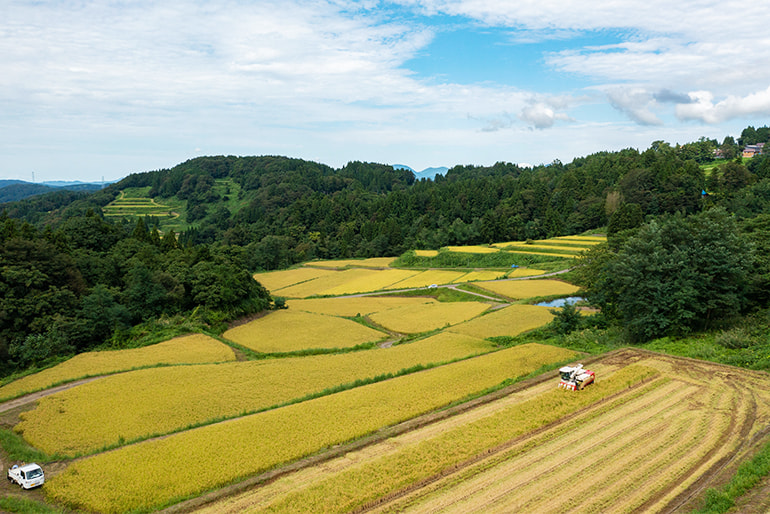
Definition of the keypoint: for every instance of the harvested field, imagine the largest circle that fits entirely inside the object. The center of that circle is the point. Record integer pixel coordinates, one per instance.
(521, 289)
(636, 446)
(412, 319)
(288, 331)
(190, 349)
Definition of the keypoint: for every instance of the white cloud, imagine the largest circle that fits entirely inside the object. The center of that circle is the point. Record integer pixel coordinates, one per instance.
(540, 115)
(147, 80)
(684, 45)
(636, 103)
(704, 109)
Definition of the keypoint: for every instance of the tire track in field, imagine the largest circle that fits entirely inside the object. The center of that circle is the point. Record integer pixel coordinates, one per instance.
(666, 480)
(527, 454)
(603, 496)
(685, 453)
(738, 430)
(33, 397)
(545, 453)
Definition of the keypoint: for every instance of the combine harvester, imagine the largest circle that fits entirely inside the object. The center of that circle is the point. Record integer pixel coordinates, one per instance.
(575, 378)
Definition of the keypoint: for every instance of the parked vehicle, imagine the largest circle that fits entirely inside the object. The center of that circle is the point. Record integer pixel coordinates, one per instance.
(26, 476)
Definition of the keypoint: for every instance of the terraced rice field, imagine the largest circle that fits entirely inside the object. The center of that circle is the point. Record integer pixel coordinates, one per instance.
(472, 249)
(411, 319)
(374, 262)
(349, 281)
(191, 349)
(277, 280)
(420, 444)
(426, 278)
(354, 306)
(521, 289)
(288, 331)
(570, 242)
(134, 202)
(256, 443)
(509, 321)
(475, 276)
(650, 434)
(561, 249)
(139, 404)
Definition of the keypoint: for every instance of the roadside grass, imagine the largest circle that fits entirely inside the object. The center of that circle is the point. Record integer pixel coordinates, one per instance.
(16, 505)
(749, 474)
(17, 449)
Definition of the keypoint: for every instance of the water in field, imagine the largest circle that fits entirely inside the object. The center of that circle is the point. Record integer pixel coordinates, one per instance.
(559, 302)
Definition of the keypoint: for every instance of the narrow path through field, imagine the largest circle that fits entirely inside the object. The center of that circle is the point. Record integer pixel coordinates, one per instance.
(33, 397)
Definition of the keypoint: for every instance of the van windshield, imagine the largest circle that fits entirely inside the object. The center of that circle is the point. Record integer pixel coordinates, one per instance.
(34, 473)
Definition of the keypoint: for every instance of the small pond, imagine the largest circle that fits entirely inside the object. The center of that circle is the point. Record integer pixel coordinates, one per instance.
(559, 302)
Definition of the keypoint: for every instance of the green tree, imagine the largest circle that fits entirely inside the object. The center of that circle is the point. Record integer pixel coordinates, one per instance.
(628, 215)
(674, 276)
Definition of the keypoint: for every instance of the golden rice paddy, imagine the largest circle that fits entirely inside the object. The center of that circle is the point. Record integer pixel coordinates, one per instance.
(474, 276)
(374, 262)
(282, 409)
(349, 281)
(429, 316)
(426, 253)
(509, 321)
(525, 272)
(190, 349)
(138, 404)
(288, 331)
(246, 446)
(472, 249)
(429, 277)
(544, 247)
(350, 306)
(520, 289)
(276, 280)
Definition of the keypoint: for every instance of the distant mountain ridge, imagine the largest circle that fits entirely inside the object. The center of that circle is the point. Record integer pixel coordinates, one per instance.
(12, 190)
(426, 173)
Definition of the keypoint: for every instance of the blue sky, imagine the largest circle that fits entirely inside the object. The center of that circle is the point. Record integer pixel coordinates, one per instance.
(103, 89)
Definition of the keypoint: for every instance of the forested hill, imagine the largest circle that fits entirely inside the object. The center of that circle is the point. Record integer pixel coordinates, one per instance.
(178, 245)
(287, 210)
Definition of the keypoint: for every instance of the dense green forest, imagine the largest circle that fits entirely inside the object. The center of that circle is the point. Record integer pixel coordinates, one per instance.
(73, 278)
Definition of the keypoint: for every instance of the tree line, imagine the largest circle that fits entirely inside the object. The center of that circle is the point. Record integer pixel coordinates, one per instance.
(72, 279)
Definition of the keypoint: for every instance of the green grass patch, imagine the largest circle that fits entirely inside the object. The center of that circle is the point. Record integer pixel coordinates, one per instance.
(17, 449)
(16, 505)
(445, 294)
(749, 474)
(446, 259)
